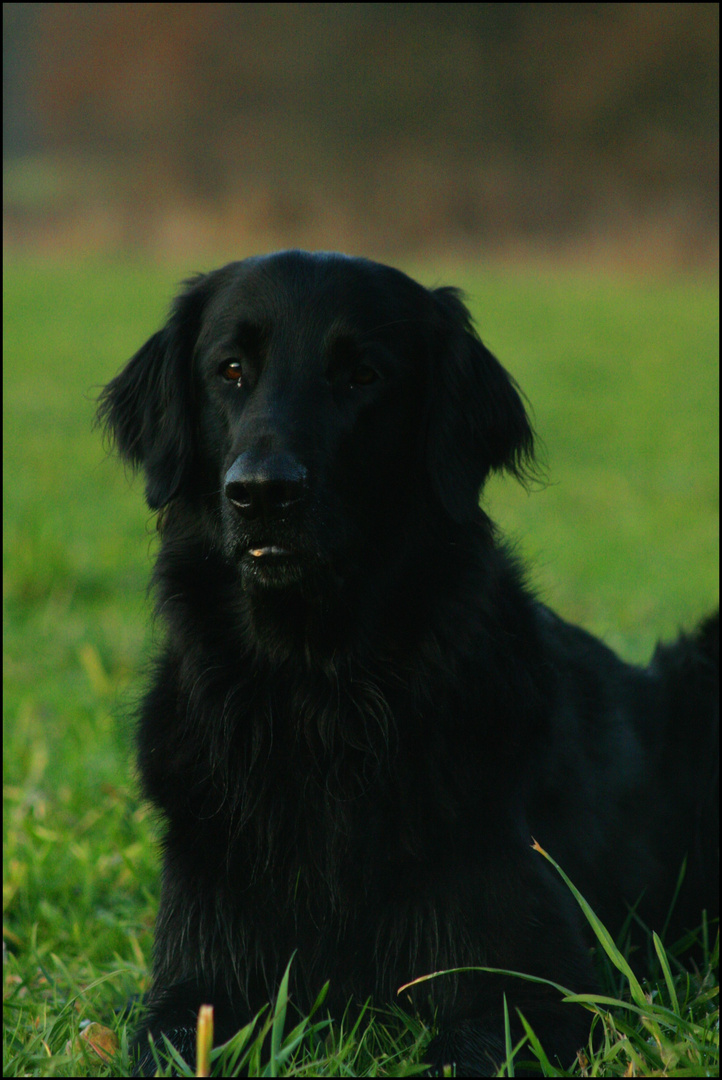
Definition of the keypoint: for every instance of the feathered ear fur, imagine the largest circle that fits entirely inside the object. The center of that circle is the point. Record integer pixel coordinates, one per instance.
(477, 419)
(147, 407)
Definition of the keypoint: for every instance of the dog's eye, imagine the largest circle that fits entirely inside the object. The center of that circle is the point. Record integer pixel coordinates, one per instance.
(363, 375)
(231, 371)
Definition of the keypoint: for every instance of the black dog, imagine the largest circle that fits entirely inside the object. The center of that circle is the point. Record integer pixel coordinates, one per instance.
(361, 715)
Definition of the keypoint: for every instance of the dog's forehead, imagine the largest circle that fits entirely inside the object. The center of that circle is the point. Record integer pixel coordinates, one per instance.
(316, 289)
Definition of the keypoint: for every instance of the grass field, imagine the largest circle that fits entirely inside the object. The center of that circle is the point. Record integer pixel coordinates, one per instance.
(622, 377)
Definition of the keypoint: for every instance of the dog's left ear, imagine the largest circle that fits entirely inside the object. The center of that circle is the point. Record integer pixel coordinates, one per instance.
(477, 421)
(147, 408)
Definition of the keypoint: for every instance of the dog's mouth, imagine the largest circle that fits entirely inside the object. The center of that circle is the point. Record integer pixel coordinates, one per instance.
(270, 551)
(272, 566)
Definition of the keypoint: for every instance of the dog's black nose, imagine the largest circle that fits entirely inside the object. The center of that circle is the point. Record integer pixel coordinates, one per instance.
(267, 487)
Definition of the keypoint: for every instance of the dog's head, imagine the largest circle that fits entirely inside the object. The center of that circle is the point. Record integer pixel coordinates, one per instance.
(315, 404)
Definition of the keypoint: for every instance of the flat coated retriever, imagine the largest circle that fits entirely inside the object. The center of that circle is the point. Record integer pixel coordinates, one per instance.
(361, 715)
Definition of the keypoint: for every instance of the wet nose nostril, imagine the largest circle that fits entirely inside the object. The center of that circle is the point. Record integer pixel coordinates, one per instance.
(241, 495)
(268, 488)
(283, 492)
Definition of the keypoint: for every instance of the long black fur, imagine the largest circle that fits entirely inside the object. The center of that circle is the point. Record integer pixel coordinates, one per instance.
(353, 734)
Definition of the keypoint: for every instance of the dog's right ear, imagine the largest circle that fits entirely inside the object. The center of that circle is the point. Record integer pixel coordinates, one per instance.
(478, 422)
(147, 408)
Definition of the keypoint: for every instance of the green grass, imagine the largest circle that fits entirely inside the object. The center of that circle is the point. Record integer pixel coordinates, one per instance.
(622, 377)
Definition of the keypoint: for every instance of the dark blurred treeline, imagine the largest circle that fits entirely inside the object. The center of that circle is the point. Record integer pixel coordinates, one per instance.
(375, 126)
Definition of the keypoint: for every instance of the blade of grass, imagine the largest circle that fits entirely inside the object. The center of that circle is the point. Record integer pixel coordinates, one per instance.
(279, 1020)
(662, 955)
(537, 1047)
(507, 1041)
(602, 934)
